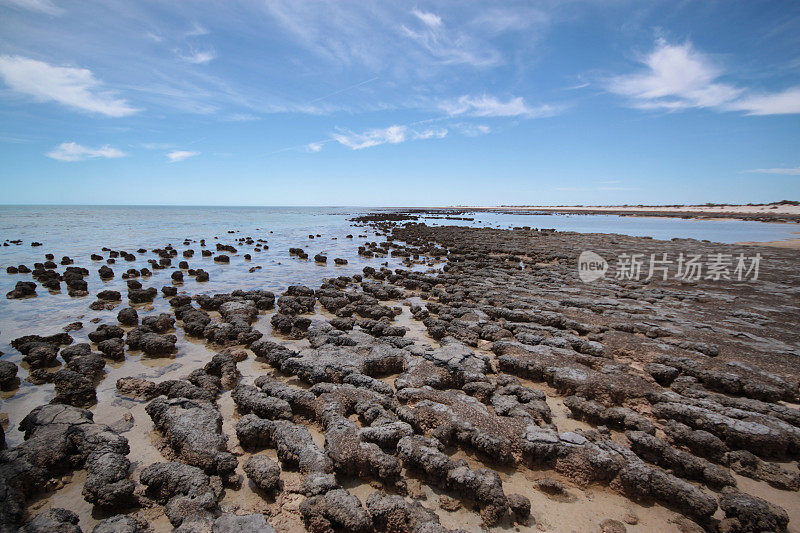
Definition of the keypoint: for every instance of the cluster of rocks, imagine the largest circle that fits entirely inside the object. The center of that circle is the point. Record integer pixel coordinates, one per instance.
(238, 311)
(74, 277)
(58, 440)
(46, 275)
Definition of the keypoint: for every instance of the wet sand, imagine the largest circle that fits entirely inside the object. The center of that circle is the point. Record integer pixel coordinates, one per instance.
(793, 244)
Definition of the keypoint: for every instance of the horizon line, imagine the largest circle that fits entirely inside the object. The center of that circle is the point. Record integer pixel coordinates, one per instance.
(503, 206)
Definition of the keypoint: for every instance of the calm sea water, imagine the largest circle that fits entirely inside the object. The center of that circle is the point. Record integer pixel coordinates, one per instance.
(78, 231)
(664, 228)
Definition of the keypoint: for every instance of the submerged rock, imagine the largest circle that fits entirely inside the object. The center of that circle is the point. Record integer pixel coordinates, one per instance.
(22, 289)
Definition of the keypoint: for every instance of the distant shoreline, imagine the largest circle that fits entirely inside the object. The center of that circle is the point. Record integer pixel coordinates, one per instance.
(791, 244)
(783, 213)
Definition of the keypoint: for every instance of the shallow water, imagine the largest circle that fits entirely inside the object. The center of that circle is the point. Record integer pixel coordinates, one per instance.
(80, 231)
(663, 228)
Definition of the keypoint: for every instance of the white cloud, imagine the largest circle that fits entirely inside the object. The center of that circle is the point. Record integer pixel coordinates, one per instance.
(73, 87)
(782, 103)
(451, 48)
(784, 171)
(679, 77)
(433, 133)
(429, 19)
(199, 58)
(392, 135)
(75, 152)
(367, 34)
(342, 42)
(375, 137)
(180, 155)
(577, 86)
(314, 147)
(489, 106)
(40, 6)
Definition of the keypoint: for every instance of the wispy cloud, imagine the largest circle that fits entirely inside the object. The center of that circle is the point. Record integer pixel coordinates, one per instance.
(472, 130)
(40, 6)
(396, 134)
(15, 139)
(72, 151)
(315, 147)
(366, 34)
(679, 77)
(72, 87)
(343, 90)
(509, 19)
(581, 85)
(369, 138)
(782, 103)
(180, 155)
(392, 135)
(429, 19)
(155, 146)
(489, 106)
(165, 58)
(433, 133)
(784, 171)
(199, 58)
(242, 117)
(449, 47)
(197, 30)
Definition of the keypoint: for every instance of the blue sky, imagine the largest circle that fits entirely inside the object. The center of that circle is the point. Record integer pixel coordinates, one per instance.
(399, 103)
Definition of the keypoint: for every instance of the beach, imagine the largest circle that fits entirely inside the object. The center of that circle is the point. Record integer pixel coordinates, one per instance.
(779, 212)
(313, 368)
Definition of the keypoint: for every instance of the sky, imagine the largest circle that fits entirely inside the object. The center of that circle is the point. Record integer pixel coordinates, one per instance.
(297, 102)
